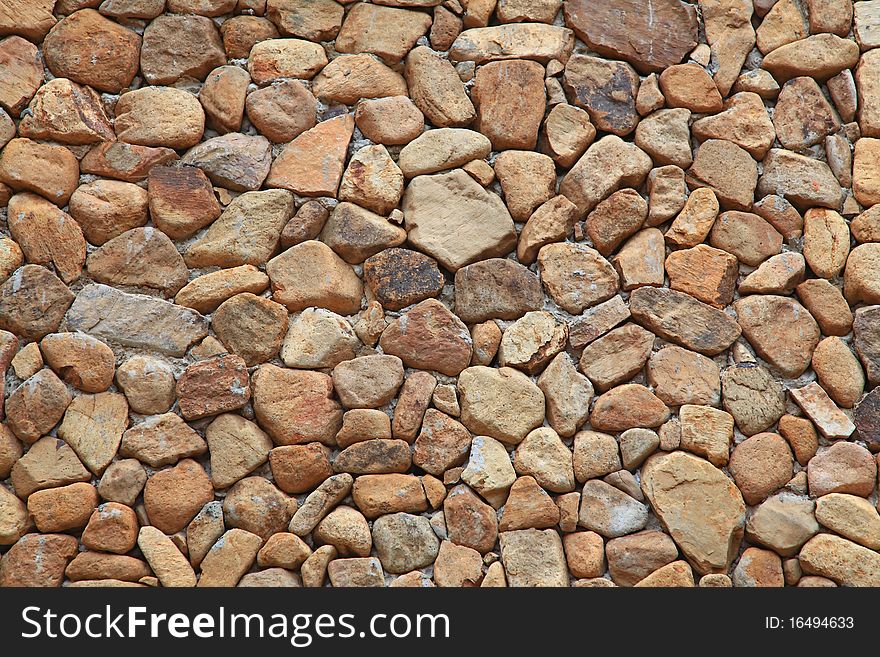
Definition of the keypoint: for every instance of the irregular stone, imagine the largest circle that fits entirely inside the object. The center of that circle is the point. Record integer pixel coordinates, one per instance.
(181, 200)
(865, 416)
(690, 87)
(139, 118)
(680, 376)
(377, 495)
(23, 73)
(744, 122)
(567, 394)
(783, 523)
(565, 267)
(667, 193)
(609, 511)
(841, 560)
(761, 465)
(282, 111)
(516, 41)
(827, 305)
(318, 338)
(45, 169)
(229, 558)
(177, 46)
(567, 134)
(295, 406)
(300, 468)
(251, 327)
(350, 78)
(708, 534)
(312, 164)
(47, 464)
(234, 161)
(161, 440)
(347, 530)
(141, 257)
(819, 56)
(650, 41)
(33, 302)
(530, 342)
(37, 560)
(368, 381)
(727, 170)
(319, 503)
(441, 149)
(527, 506)
(390, 121)
(46, 235)
(361, 572)
(842, 468)
(608, 165)
(126, 162)
(400, 277)
(867, 341)
(174, 496)
(832, 423)
(93, 427)
(237, 448)
(319, 21)
(606, 89)
(241, 33)
(778, 274)
(355, 234)
(470, 521)
(457, 566)
(107, 60)
(627, 406)
(404, 542)
(528, 180)
(617, 356)
(839, 373)
(753, 397)
(632, 558)
(534, 557)
(679, 318)
(501, 403)
(802, 116)
(256, 505)
(305, 225)
(63, 508)
(781, 331)
(206, 293)
(707, 432)
(387, 32)
(273, 59)
(104, 567)
(296, 284)
(504, 90)
(495, 289)
(802, 180)
(67, 113)
(489, 471)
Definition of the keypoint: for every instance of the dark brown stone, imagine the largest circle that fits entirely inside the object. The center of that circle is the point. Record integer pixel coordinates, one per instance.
(607, 90)
(496, 289)
(400, 277)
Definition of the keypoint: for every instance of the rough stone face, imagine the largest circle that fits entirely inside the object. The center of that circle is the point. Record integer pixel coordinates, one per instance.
(177, 46)
(650, 41)
(679, 318)
(141, 257)
(139, 118)
(727, 170)
(840, 560)
(803, 181)
(502, 403)
(708, 534)
(235, 161)
(533, 557)
(45, 169)
(753, 397)
(107, 60)
(607, 90)
(296, 283)
(25, 73)
(781, 331)
(509, 99)
(680, 376)
(355, 233)
(93, 427)
(135, 320)
(161, 440)
(842, 468)
(495, 289)
(68, 113)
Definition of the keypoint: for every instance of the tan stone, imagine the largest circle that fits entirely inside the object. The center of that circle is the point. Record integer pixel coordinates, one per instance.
(390, 121)
(387, 32)
(105, 209)
(827, 305)
(161, 440)
(139, 118)
(23, 73)
(223, 97)
(753, 397)
(229, 559)
(803, 181)
(761, 465)
(840, 560)
(177, 46)
(350, 78)
(294, 283)
(67, 113)
(680, 376)
(312, 164)
(665, 136)
(45, 169)
(819, 56)
(567, 134)
(828, 418)
(727, 170)
(285, 58)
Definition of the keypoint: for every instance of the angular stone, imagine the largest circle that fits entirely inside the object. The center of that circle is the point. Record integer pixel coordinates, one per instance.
(93, 427)
(122, 482)
(318, 338)
(296, 282)
(67, 113)
(161, 440)
(783, 523)
(689, 86)
(251, 327)
(37, 561)
(502, 403)
(566, 267)
(399, 277)
(206, 293)
(368, 381)
(347, 531)
(595, 455)
(510, 102)
(488, 470)
(781, 331)
(470, 521)
(528, 179)
(241, 33)
(295, 406)
(305, 225)
(665, 136)
(832, 423)
(866, 417)
(567, 134)
(753, 397)
(866, 339)
(606, 89)
(441, 149)
(779, 274)
(387, 32)
(802, 116)
(520, 552)
(679, 318)
(680, 376)
(802, 180)
(47, 464)
(312, 164)
(356, 234)
(108, 59)
(181, 200)
(234, 161)
(237, 448)
(23, 73)
(708, 534)
(542, 455)
(229, 559)
(429, 337)
(744, 121)
(372, 180)
(530, 342)
(609, 511)
(516, 41)
(135, 320)
(627, 406)
(617, 356)
(176, 46)
(727, 170)
(650, 41)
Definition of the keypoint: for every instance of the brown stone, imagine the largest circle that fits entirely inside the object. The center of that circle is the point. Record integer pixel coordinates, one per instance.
(744, 121)
(37, 405)
(399, 277)
(139, 118)
(108, 59)
(760, 465)
(781, 331)
(650, 41)
(295, 407)
(695, 221)
(233, 161)
(181, 200)
(63, 508)
(355, 233)
(627, 406)
(394, 120)
(567, 134)
(606, 89)
(22, 73)
(294, 283)
(412, 402)
(429, 337)
(213, 386)
(727, 170)
(33, 302)
(842, 468)
(679, 318)
(176, 46)
(380, 494)
(679, 376)
(803, 181)
(802, 116)
(161, 440)
(47, 235)
(819, 56)
(37, 560)
(827, 305)
(387, 32)
(45, 169)
(81, 360)
(640, 260)
(470, 521)
(632, 558)
(241, 33)
(509, 99)
(378, 456)
(67, 113)
(172, 497)
(141, 257)
(126, 162)
(517, 41)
